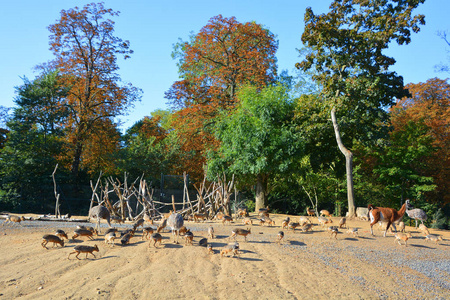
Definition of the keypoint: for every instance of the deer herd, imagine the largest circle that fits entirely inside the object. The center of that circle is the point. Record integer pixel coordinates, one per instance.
(389, 217)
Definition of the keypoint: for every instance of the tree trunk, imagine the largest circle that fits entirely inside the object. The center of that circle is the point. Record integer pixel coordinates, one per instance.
(348, 163)
(76, 160)
(261, 192)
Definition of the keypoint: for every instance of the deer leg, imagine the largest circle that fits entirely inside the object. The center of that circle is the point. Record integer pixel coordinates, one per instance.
(387, 227)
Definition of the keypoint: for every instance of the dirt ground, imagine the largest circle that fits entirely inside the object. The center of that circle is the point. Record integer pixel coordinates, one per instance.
(304, 266)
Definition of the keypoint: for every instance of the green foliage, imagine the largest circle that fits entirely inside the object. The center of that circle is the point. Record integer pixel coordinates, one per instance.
(439, 220)
(401, 162)
(258, 137)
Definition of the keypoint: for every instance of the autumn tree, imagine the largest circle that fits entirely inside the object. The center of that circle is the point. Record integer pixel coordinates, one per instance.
(347, 46)
(86, 51)
(223, 56)
(429, 108)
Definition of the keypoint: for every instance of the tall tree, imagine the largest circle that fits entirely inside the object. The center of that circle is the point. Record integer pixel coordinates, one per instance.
(224, 55)
(258, 139)
(429, 106)
(3, 129)
(86, 51)
(347, 47)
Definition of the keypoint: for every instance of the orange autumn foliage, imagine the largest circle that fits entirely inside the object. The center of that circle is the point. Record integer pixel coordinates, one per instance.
(223, 56)
(430, 104)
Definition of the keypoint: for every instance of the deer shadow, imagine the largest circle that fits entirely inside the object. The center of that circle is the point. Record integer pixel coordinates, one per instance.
(297, 243)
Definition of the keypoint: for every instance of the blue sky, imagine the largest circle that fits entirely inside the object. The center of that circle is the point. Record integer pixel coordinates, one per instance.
(153, 27)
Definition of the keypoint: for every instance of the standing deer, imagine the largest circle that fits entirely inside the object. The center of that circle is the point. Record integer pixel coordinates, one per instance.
(385, 214)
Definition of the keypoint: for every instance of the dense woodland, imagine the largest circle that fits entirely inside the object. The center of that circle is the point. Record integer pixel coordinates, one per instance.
(342, 132)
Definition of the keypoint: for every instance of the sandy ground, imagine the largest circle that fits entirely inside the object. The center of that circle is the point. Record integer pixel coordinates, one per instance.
(304, 266)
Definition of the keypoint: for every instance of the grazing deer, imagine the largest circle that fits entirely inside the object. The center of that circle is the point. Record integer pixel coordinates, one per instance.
(61, 234)
(84, 249)
(125, 240)
(138, 223)
(280, 236)
(307, 227)
(293, 225)
(304, 220)
(51, 238)
(325, 212)
(233, 248)
(385, 214)
(267, 220)
(323, 221)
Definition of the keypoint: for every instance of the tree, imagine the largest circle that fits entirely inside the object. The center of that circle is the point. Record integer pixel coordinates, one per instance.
(428, 108)
(346, 52)
(223, 56)
(86, 51)
(3, 130)
(257, 139)
(34, 144)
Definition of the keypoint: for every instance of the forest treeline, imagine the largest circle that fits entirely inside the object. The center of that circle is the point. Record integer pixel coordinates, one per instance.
(341, 132)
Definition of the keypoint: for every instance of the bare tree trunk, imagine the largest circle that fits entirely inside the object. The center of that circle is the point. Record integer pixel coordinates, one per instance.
(261, 192)
(348, 163)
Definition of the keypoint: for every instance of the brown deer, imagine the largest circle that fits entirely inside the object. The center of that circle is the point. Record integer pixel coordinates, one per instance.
(51, 238)
(83, 249)
(385, 214)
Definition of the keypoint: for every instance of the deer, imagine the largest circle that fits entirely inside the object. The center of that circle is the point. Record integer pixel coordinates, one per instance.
(343, 222)
(433, 238)
(211, 232)
(233, 248)
(83, 249)
(110, 238)
(385, 214)
(399, 236)
(61, 234)
(247, 221)
(240, 231)
(325, 212)
(199, 216)
(226, 219)
(311, 212)
(280, 236)
(156, 238)
(14, 219)
(51, 238)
